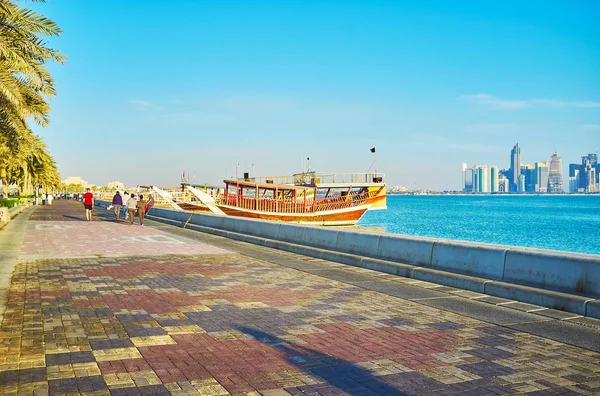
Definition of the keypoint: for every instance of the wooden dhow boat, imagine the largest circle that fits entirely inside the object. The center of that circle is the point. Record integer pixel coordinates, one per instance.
(289, 203)
(339, 184)
(307, 198)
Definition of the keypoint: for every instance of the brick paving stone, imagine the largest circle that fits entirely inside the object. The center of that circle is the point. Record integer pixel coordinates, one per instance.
(93, 312)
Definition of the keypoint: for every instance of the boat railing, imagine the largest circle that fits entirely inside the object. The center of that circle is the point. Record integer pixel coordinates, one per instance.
(309, 178)
(302, 205)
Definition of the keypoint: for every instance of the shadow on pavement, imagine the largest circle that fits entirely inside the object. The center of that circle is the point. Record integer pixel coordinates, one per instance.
(341, 374)
(81, 218)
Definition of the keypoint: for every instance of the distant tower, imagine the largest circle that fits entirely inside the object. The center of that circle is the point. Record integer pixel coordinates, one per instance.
(515, 167)
(541, 176)
(493, 178)
(555, 181)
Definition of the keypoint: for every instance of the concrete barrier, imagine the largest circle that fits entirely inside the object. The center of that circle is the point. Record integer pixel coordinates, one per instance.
(403, 270)
(4, 215)
(358, 243)
(405, 249)
(469, 258)
(324, 238)
(570, 272)
(592, 308)
(459, 281)
(208, 220)
(172, 214)
(16, 210)
(545, 298)
(260, 228)
(291, 233)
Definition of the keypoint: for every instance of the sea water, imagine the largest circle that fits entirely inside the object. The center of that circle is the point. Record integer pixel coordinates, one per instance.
(559, 222)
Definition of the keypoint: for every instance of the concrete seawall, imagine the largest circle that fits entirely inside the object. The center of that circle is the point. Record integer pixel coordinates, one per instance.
(560, 280)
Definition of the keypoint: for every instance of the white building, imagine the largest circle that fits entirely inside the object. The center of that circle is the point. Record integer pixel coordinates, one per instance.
(117, 185)
(76, 180)
(503, 185)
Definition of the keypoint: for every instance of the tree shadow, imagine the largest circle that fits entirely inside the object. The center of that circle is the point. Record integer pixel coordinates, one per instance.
(338, 373)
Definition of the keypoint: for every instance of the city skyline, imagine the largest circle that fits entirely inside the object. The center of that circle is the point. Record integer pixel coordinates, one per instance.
(271, 84)
(541, 177)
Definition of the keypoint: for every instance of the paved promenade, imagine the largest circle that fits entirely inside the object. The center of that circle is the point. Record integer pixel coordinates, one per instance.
(106, 308)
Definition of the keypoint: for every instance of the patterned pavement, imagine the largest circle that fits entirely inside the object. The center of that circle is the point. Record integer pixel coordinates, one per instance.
(134, 310)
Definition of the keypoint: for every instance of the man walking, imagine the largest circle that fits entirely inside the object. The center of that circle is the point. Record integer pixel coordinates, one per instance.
(88, 202)
(117, 202)
(125, 211)
(131, 207)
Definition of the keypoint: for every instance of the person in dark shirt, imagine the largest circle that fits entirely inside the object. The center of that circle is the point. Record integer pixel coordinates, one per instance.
(117, 202)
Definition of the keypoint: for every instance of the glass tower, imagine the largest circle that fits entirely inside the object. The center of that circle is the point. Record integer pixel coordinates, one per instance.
(515, 167)
(494, 178)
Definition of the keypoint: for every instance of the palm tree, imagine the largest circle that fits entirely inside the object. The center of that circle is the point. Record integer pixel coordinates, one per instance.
(40, 165)
(25, 82)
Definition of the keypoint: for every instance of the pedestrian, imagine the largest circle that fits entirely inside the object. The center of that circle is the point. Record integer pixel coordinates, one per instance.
(125, 211)
(44, 199)
(117, 202)
(88, 202)
(141, 207)
(150, 203)
(131, 205)
(50, 198)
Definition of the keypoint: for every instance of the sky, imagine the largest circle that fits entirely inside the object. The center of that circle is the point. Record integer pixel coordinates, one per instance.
(154, 88)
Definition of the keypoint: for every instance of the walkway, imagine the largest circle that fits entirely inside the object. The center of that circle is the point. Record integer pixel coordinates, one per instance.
(103, 308)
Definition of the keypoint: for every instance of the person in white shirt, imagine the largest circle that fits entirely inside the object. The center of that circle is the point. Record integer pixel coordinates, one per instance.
(131, 207)
(125, 211)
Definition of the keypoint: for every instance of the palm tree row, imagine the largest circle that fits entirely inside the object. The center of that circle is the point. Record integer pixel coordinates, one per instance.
(25, 86)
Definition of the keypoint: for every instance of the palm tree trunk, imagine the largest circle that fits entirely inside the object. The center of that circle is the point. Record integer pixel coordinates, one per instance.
(26, 182)
(4, 178)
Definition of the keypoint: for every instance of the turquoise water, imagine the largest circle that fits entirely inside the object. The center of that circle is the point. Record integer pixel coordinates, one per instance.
(569, 223)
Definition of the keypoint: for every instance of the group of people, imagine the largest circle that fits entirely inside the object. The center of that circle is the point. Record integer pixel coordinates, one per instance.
(130, 204)
(47, 198)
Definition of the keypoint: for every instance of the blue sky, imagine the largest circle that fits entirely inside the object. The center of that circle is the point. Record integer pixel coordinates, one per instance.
(153, 88)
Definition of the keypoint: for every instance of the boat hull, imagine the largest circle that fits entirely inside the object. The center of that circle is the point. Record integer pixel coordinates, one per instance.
(339, 217)
(378, 201)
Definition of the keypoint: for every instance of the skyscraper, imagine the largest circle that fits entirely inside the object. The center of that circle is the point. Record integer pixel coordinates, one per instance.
(541, 176)
(494, 178)
(555, 182)
(484, 180)
(521, 183)
(515, 167)
(584, 177)
(528, 171)
(587, 173)
(468, 180)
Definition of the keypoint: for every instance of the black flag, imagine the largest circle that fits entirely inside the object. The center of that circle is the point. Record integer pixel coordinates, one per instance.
(372, 149)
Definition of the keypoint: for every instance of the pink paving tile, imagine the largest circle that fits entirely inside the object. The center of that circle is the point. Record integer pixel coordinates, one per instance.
(68, 238)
